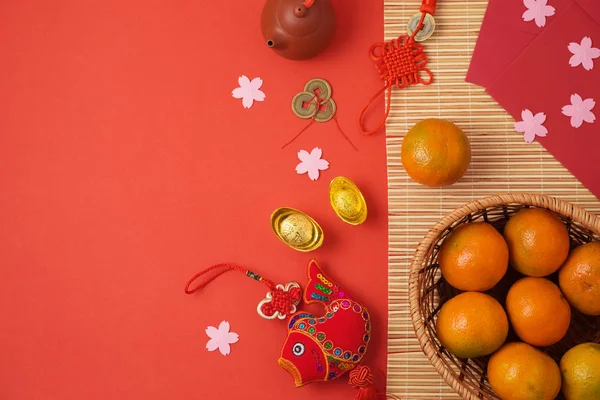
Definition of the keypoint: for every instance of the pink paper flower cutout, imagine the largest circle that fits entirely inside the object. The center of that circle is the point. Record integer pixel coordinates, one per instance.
(580, 110)
(537, 10)
(532, 125)
(221, 338)
(583, 54)
(311, 163)
(249, 91)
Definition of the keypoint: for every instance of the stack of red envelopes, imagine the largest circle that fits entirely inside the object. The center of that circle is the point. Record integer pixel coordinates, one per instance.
(540, 60)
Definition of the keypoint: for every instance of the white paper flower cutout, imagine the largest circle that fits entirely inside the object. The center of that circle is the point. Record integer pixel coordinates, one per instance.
(221, 338)
(583, 54)
(531, 125)
(538, 10)
(249, 91)
(580, 111)
(311, 163)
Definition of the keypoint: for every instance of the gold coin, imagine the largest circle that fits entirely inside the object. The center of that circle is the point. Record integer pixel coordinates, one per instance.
(296, 229)
(328, 111)
(347, 201)
(428, 27)
(320, 87)
(304, 105)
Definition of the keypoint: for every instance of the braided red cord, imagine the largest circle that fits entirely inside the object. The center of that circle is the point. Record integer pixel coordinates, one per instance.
(220, 269)
(282, 301)
(428, 6)
(399, 63)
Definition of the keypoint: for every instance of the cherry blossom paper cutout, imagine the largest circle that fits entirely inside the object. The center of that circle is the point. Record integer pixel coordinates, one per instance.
(531, 125)
(583, 54)
(249, 91)
(580, 111)
(221, 338)
(538, 10)
(311, 163)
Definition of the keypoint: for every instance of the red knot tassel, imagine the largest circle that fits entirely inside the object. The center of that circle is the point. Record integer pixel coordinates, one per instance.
(362, 379)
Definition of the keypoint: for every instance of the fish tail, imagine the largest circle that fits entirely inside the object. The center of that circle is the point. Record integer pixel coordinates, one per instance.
(320, 288)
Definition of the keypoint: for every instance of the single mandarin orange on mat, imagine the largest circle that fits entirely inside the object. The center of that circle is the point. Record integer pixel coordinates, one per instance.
(579, 278)
(580, 368)
(519, 371)
(474, 257)
(436, 152)
(472, 325)
(538, 312)
(538, 242)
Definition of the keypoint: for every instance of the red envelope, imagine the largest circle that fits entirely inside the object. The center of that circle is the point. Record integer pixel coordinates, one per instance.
(542, 79)
(504, 35)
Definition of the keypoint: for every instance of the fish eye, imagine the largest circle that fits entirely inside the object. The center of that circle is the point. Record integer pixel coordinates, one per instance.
(298, 349)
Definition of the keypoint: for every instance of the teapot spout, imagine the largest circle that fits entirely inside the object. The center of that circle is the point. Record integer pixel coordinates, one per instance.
(276, 40)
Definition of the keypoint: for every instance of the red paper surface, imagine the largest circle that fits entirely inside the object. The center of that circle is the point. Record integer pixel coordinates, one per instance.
(504, 35)
(542, 80)
(126, 166)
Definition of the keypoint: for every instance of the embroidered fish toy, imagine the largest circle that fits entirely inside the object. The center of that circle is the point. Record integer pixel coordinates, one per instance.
(318, 348)
(324, 348)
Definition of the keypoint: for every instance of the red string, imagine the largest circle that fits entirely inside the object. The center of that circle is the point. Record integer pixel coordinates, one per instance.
(299, 133)
(399, 63)
(217, 270)
(318, 102)
(308, 3)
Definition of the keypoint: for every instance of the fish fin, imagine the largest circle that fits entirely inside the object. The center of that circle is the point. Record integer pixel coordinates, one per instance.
(320, 288)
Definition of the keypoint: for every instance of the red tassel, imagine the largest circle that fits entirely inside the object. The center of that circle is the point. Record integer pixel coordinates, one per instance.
(362, 379)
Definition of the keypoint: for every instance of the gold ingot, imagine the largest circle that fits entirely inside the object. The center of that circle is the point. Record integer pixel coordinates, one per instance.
(296, 229)
(347, 201)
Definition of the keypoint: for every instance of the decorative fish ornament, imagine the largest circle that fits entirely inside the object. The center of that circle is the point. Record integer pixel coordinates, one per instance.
(323, 348)
(318, 348)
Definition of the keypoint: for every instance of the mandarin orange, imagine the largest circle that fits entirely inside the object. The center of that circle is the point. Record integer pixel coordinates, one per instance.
(580, 368)
(538, 312)
(519, 371)
(579, 278)
(436, 152)
(538, 242)
(474, 257)
(472, 325)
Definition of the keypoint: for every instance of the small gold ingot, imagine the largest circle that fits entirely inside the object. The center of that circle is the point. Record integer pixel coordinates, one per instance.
(296, 229)
(347, 201)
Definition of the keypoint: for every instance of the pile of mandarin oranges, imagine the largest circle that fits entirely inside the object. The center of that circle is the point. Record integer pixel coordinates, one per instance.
(553, 281)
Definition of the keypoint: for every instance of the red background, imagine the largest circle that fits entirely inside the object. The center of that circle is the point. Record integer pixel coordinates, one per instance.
(126, 166)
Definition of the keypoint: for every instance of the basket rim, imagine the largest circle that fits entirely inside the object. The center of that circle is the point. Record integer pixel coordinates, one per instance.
(564, 208)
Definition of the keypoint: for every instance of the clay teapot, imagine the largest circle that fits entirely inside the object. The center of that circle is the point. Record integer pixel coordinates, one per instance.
(298, 30)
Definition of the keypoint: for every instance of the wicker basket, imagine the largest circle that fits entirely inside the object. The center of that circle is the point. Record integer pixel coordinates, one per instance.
(428, 290)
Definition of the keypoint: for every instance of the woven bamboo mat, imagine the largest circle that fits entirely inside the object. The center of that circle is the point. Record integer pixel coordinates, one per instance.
(502, 162)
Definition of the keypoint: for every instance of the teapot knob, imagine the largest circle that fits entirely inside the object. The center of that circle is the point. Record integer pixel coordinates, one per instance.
(300, 11)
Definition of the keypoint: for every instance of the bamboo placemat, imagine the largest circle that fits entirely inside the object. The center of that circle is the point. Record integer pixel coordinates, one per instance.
(502, 162)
